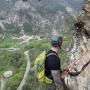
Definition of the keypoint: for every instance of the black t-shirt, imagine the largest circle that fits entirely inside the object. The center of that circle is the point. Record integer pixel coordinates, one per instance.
(52, 62)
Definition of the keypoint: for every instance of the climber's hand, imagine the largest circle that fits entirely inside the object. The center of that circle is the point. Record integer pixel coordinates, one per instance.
(65, 71)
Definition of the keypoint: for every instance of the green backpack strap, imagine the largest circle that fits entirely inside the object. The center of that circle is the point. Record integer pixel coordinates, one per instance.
(50, 54)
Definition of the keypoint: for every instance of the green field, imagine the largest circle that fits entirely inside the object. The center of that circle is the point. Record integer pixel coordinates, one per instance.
(15, 60)
(8, 42)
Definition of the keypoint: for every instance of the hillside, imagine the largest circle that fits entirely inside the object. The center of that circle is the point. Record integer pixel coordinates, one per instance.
(26, 27)
(35, 16)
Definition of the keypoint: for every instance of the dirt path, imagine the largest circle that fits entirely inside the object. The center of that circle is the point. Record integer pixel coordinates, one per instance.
(9, 49)
(2, 84)
(20, 87)
(26, 72)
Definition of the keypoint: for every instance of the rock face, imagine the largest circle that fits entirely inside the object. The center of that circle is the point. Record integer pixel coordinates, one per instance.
(80, 52)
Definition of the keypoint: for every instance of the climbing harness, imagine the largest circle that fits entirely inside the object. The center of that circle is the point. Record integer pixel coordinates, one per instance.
(71, 66)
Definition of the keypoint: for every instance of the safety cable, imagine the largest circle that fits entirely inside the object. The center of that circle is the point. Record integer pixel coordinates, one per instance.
(83, 68)
(71, 66)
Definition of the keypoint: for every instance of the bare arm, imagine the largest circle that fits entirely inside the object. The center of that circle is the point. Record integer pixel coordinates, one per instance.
(57, 79)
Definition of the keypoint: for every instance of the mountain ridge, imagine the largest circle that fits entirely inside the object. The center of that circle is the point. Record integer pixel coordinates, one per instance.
(38, 15)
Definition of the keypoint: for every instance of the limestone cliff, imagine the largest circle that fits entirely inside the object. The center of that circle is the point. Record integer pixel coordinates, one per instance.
(81, 49)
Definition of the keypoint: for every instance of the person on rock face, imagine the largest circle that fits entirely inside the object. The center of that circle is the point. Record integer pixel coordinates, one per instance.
(53, 66)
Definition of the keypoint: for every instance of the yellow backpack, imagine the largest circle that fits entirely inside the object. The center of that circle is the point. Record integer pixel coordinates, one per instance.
(39, 65)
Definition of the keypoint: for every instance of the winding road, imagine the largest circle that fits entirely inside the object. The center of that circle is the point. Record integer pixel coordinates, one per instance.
(9, 49)
(26, 72)
(2, 84)
(20, 87)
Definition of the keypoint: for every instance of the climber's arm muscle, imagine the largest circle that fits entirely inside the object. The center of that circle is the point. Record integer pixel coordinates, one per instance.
(57, 79)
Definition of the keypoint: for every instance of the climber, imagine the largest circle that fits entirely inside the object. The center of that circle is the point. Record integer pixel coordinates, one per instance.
(53, 66)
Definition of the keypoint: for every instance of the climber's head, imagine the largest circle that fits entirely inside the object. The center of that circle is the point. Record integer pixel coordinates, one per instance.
(56, 41)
